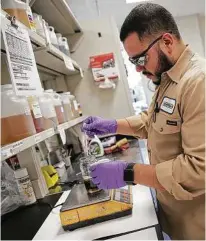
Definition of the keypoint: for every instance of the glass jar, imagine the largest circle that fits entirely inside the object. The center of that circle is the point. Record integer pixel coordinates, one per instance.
(85, 163)
(48, 111)
(36, 113)
(16, 119)
(56, 99)
(67, 106)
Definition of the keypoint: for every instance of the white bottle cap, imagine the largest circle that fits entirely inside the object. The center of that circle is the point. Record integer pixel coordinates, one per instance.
(21, 173)
(49, 91)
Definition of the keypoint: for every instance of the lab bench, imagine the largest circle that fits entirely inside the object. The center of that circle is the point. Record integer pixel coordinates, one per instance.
(41, 221)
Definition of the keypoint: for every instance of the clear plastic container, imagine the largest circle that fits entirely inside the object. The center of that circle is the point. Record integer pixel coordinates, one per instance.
(20, 10)
(16, 119)
(48, 111)
(63, 44)
(74, 105)
(67, 106)
(39, 23)
(53, 37)
(59, 39)
(36, 113)
(57, 105)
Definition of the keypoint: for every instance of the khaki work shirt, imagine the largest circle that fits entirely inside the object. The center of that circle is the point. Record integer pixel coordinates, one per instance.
(176, 145)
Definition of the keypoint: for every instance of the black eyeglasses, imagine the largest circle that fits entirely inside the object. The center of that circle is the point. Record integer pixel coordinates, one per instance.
(141, 59)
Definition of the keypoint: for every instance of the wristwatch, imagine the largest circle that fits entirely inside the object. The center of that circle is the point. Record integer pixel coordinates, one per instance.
(129, 174)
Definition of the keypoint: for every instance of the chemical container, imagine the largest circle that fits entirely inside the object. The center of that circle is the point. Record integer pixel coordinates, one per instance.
(67, 106)
(25, 186)
(16, 119)
(48, 111)
(63, 44)
(74, 105)
(53, 37)
(39, 23)
(57, 105)
(20, 10)
(36, 113)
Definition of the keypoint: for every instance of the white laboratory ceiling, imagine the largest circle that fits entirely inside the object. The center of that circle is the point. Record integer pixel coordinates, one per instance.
(89, 9)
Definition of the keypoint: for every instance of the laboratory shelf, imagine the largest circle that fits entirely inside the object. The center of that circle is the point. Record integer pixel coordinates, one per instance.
(48, 57)
(58, 14)
(16, 147)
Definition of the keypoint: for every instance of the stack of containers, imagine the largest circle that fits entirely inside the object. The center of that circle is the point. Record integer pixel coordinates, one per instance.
(56, 99)
(16, 118)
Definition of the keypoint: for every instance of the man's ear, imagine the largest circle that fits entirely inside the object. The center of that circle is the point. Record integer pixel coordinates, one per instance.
(167, 42)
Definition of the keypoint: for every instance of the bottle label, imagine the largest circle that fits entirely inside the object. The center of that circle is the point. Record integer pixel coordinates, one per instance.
(27, 111)
(36, 110)
(62, 109)
(26, 189)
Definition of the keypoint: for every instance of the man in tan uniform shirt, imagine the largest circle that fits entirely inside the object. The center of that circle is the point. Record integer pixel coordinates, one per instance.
(174, 124)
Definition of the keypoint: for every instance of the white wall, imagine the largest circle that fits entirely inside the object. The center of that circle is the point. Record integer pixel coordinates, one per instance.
(190, 31)
(107, 103)
(201, 21)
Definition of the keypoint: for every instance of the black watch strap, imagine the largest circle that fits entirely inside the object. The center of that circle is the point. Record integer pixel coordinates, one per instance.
(129, 174)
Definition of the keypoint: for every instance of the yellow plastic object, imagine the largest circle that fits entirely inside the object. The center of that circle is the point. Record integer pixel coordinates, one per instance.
(50, 175)
(122, 142)
(55, 190)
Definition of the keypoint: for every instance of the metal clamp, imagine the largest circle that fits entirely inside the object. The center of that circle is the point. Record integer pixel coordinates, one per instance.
(12, 19)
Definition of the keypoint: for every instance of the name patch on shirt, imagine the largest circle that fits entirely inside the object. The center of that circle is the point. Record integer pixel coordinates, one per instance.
(168, 105)
(171, 123)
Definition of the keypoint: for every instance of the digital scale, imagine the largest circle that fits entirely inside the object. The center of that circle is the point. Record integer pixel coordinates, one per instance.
(82, 209)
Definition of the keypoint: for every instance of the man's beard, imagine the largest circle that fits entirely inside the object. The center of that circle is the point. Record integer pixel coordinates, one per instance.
(164, 64)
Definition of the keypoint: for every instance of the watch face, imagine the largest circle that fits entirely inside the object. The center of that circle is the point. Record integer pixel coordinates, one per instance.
(129, 174)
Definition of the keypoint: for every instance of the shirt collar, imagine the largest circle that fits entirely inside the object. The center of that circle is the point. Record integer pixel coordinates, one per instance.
(176, 72)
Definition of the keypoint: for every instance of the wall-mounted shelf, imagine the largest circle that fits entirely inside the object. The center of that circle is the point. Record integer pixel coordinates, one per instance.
(48, 58)
(16, 147)
(58, 14)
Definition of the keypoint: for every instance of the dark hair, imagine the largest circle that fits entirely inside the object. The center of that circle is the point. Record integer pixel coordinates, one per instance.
(148, 19)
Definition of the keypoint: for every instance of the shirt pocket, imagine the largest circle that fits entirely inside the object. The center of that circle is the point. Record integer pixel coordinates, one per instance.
(166, 124)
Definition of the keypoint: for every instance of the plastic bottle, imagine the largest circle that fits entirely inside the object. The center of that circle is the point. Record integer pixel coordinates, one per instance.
(66, 105)
(74, 105)
(95, 147)
(57, 105)
(20, 10)
(25, 186)
(53, 37)
(48, 111)
(36, 113)
(16, 119)
(39, 24)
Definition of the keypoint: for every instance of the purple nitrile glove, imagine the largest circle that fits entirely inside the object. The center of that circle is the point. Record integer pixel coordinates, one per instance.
(108, 175)
(94, 125)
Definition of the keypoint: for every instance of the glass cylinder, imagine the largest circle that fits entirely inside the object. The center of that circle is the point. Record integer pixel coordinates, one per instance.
(85, 163)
